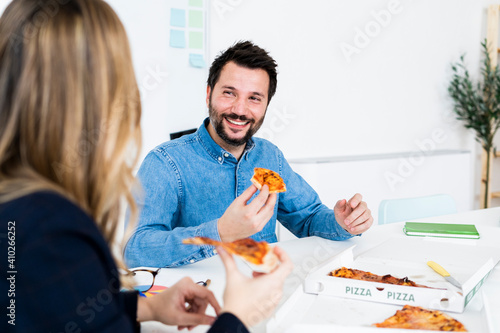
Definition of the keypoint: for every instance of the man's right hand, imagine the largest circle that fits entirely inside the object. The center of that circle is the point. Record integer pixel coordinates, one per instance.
(242, 220)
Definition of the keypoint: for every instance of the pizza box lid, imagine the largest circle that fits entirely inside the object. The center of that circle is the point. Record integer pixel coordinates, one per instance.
(304, 312)
(404, 257)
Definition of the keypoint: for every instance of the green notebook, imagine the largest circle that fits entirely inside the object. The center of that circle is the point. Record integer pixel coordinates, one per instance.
(441, 230)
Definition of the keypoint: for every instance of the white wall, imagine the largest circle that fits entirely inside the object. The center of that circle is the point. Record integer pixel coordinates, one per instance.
(158, 73)
(389, 176)
(386, 98)
(393, 92)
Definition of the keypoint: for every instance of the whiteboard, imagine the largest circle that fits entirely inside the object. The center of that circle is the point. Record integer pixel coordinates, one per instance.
(186, 85)
(172, 91)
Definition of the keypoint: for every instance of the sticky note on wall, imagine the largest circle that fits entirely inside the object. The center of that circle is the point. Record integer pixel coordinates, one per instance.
(195, 40)
(177, 38)
(196, 3)
(177, 17)
(195, 19)
(196, 60)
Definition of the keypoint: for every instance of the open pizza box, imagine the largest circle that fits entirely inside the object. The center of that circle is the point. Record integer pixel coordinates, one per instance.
(466, 261)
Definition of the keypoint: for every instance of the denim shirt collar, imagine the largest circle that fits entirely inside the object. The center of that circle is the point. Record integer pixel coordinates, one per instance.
(215, 151)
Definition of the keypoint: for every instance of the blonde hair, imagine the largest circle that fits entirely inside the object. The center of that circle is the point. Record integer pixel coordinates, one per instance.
(69, 106)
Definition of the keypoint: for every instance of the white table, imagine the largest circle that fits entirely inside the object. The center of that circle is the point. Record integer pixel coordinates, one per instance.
(308, 253)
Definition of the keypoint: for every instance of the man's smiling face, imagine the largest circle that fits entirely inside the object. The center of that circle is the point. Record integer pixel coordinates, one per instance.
(237, 104)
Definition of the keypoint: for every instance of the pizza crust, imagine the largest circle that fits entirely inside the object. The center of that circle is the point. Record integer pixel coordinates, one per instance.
(256, 183)
(269, 262)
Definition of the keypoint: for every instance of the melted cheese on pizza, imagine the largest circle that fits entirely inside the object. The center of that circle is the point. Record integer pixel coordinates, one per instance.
(357, 274)
(257, 253)
(414, 317)
(270, 178)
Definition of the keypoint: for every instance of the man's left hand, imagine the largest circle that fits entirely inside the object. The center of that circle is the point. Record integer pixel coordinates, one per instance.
(353, 215)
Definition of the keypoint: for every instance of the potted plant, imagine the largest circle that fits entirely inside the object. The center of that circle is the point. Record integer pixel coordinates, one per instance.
(478, 105)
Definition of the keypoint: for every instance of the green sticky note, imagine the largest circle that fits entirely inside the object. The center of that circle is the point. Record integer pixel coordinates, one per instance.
(195, 40)
(196, 3)
(195, 19)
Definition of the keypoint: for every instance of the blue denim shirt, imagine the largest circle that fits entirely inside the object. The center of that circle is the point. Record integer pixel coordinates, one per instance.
(189, 183)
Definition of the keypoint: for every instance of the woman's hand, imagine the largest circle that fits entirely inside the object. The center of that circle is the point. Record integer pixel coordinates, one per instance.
(253, 299)
(169, 306)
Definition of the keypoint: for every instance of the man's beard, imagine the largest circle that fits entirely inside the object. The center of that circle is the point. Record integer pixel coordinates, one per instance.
(217, 119)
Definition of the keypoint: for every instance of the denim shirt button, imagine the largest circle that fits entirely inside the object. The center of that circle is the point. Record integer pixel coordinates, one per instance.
(219, 158)
(191, 261)
(226, 155)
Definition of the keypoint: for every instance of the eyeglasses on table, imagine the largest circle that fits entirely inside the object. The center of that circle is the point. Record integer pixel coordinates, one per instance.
(146, 278)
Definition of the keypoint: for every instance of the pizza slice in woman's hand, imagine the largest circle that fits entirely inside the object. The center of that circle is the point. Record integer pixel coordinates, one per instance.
(259, 254)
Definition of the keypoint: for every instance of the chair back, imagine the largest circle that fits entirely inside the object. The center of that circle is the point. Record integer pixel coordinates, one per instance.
(404, 209)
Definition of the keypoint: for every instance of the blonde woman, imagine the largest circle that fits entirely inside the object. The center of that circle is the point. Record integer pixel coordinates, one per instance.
(69, 138)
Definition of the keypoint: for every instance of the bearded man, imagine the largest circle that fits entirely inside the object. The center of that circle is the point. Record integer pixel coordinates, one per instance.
(199, 184)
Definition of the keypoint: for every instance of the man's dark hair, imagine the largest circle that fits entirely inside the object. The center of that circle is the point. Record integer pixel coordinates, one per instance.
(249, 55)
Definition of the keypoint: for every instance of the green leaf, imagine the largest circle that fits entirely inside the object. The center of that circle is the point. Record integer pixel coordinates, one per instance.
(477, 104)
